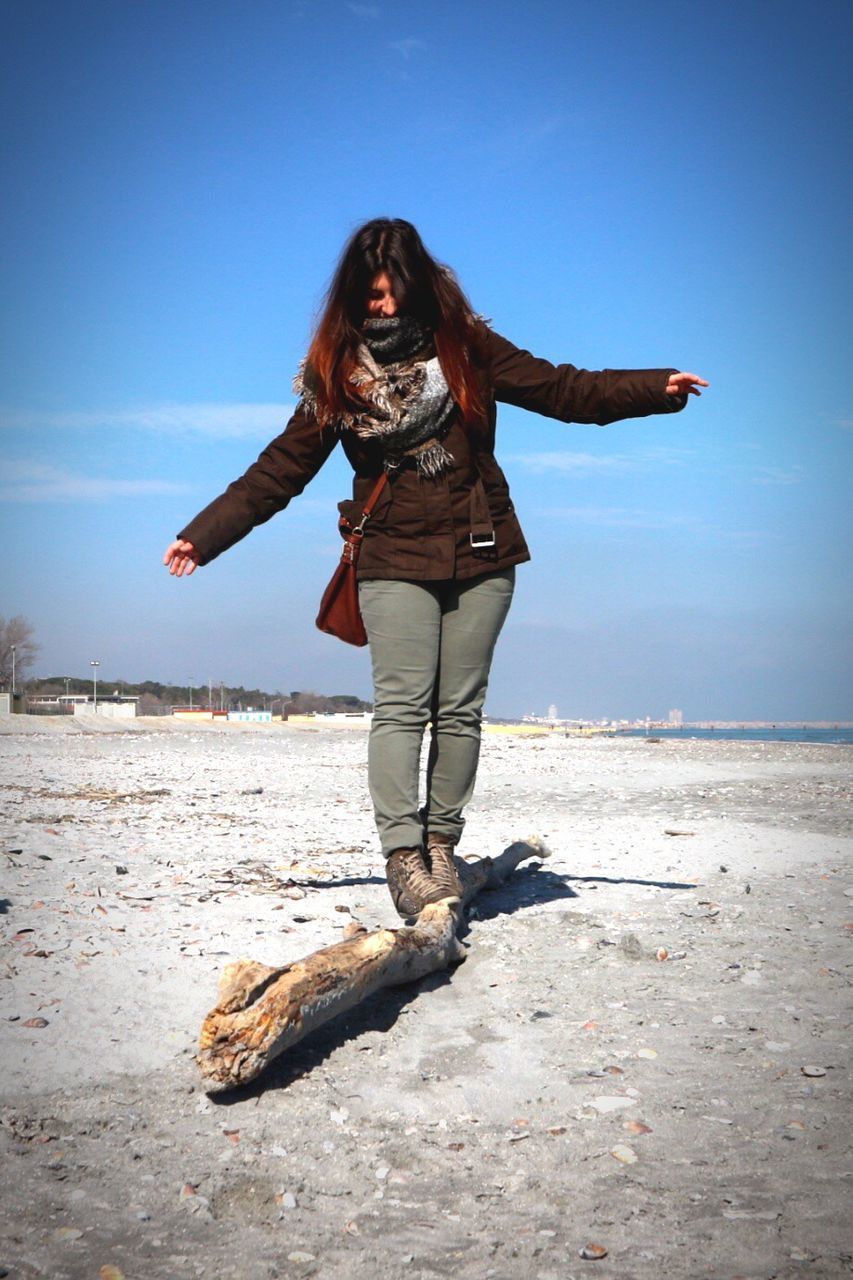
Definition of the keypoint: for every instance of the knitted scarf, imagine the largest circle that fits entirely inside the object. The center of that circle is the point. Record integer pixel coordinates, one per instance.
(409, 403)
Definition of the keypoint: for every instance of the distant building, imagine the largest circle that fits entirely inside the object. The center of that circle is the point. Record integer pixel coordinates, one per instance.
(348, 716)
(552, 712)
(117, 706)
(676, 717)
(59, 701)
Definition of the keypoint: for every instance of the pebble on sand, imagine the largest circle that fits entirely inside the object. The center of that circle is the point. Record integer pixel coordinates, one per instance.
(752, 1215)
(624, 1154)
(592, 1252)
(611, 1102)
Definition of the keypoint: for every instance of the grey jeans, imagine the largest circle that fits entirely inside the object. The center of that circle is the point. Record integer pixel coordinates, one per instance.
(431, 645)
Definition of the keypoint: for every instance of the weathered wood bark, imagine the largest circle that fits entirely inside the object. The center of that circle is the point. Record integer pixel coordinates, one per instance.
(263, 1011)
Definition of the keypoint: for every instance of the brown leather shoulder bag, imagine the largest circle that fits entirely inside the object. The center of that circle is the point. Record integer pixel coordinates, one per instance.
(339, 612)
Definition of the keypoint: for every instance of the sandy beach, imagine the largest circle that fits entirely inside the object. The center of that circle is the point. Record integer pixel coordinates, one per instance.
(646, 1051)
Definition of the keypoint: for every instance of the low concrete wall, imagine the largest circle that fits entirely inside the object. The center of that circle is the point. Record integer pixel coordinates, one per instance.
(109, 710)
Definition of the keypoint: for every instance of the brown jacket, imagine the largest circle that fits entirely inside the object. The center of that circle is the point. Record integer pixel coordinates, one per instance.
(459, 525)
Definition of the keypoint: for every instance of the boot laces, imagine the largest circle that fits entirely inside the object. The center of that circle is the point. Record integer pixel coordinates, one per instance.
(417, 877)
(443, 866)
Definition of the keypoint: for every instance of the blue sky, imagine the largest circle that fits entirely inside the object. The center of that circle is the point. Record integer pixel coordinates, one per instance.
(617, 184)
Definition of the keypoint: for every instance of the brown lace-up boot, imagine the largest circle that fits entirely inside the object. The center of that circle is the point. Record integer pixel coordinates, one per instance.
(409, 882)
(442, 867)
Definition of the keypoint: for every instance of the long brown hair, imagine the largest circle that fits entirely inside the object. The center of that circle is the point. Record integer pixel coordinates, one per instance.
(422, 287)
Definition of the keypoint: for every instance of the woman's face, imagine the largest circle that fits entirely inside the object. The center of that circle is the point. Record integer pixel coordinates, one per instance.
(380, 297)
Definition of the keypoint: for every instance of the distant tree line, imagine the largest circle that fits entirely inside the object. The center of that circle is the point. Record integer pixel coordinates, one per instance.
(156, 698)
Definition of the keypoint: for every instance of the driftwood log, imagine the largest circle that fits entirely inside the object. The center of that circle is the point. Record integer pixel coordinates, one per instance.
(264, 1011)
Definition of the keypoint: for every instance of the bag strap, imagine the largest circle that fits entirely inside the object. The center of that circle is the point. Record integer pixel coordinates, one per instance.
(367, 509)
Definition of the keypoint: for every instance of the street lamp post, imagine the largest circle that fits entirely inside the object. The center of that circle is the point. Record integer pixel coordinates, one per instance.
(191, 697)
(94, 664)
(14, 650)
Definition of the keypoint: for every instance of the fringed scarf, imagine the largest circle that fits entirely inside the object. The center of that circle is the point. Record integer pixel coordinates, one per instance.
(400, 378)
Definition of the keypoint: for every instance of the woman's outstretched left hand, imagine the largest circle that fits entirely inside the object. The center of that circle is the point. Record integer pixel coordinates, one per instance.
(681, 384)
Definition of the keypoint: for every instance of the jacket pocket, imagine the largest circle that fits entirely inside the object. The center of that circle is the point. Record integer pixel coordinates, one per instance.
(350, 510)
(363, 486)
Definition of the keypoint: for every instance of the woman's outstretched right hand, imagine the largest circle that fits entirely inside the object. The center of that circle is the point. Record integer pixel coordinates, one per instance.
(181, 558)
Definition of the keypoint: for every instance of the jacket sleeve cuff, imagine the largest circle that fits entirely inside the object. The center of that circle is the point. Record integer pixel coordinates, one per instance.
(674, 404)
(196, 536)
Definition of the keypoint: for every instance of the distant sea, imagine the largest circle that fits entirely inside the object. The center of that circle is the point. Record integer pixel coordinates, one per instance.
(790, 733)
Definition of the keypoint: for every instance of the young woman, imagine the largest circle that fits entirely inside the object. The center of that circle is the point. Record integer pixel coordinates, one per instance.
(405, 375)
